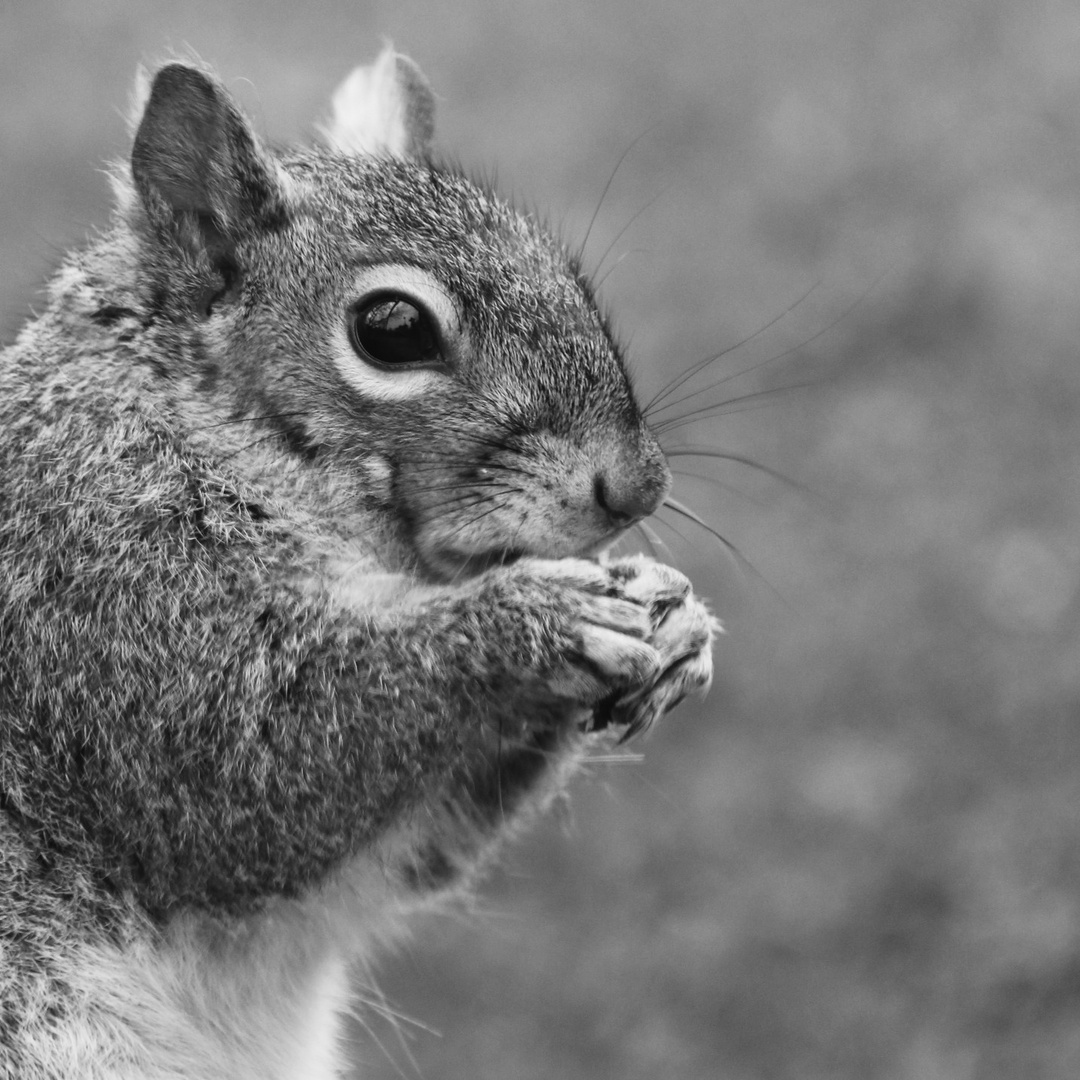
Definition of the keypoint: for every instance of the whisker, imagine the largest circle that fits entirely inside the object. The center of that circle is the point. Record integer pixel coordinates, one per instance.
(739, 459)
(473, 520)
(251, 419)
(438, 465)
(685, 511)
(351, 501)
(652, 539)
(622, 232)
(794, 348)
(462, 503)
(680, 380)
(740, 559)
(499, 768)
(718, 483)
(607, 187)
(453, 484)
(696, 394)
(466, 488)
(356, 1011)
(462, 495)
(477, 439)
(675, 529)
(370, 997)
(272, 437)
(614, 759)
(616, 264)
(722, 408)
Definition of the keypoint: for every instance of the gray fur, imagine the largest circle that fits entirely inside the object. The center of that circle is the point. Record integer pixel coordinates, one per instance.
(238, 644)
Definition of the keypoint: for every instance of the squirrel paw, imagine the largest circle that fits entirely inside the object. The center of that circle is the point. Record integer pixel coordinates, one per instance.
(636, 640)
(681, 631)
(602, 632)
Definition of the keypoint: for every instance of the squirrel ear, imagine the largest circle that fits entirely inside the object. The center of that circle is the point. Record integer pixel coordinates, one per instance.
(197, 165)
(385, 108)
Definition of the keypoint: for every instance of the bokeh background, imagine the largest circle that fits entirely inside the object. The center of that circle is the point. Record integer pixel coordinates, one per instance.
(858, 858)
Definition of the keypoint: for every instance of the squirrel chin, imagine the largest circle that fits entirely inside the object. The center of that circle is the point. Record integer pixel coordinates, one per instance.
(447, 565)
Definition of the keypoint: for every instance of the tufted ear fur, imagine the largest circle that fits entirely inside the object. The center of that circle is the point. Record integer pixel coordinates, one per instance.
(385, 108)
(198, 168)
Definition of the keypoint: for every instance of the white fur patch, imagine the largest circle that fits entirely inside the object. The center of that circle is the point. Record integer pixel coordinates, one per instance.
(384, 108)
(316, 1044)
(261, 999)
(139, 96)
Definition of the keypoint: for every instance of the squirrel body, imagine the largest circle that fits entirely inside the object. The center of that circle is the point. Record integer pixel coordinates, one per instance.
(306, 474)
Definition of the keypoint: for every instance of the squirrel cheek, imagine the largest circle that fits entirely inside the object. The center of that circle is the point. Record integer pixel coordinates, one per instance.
(378, 475)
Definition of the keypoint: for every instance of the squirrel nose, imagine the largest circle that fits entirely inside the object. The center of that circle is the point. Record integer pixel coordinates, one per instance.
(627, 499)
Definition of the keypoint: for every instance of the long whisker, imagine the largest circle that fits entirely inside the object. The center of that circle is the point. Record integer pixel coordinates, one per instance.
(622, 232)
(738, 459)
(459, 504)
(438, 465)
(272, 437)
(675, 529)
(485, 491)
(694, 395)
(616, 264)
(465, 497)
(357, 1012)
(794, 348)
(652, 541)
(458, 491)
(720, 408)
(672, 385)
(464, 505)
(425, 454)
(716, 482)
(474, 519)
(402, 1024)
(251, 419)
(435, 479)
(685, 511)
(607, 187)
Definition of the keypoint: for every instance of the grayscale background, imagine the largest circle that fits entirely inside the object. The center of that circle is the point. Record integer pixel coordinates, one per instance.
(859, 858)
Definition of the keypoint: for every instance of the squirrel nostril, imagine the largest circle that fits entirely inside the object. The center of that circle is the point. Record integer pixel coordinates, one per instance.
(622, 506)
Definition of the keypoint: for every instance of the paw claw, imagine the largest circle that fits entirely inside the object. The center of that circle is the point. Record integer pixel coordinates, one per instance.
(632, 641)
(619, 657)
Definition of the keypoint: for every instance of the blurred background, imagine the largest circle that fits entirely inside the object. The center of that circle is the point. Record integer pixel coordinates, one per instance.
(858, 858)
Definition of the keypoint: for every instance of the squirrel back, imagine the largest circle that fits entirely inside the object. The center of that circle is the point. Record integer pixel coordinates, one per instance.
(307, 471)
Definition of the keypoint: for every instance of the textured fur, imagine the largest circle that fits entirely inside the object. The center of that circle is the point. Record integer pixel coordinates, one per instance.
(283, 654)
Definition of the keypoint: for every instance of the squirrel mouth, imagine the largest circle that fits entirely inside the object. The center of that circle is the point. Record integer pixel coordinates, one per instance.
(455, 565)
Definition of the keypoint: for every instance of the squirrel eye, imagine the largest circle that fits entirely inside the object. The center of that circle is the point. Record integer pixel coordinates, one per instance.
(391, 330)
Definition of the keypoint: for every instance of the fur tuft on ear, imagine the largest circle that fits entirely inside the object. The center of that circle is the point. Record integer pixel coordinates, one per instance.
(385, 108)
(198, 168)
(138, 98)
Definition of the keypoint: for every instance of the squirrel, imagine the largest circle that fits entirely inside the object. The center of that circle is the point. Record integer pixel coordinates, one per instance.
(308, 472)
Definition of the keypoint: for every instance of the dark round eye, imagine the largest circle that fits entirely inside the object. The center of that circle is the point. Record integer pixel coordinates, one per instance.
(393, 331)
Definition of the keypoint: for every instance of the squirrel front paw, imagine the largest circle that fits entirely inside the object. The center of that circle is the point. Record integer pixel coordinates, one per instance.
(630, 638)
(682, 631)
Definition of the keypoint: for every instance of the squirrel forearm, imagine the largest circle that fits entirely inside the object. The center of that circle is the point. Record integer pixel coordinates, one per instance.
(223, 736)
(256, 771)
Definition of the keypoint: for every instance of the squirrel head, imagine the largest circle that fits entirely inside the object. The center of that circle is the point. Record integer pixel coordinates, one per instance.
(389, 319)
